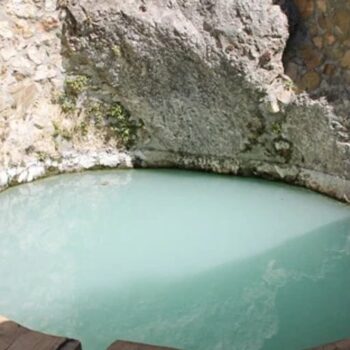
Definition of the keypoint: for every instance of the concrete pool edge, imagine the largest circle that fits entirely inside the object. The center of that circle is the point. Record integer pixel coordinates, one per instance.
(327, 184)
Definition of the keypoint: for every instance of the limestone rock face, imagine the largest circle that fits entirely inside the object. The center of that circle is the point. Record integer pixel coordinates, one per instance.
(41, 130)
(207, 81)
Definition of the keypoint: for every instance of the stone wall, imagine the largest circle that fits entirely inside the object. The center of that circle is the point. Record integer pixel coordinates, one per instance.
(37, 136)
(318, 55)
(317, 58)
(30, 71)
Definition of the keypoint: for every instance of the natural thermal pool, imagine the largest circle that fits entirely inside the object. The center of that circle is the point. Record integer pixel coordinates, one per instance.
(184, 259)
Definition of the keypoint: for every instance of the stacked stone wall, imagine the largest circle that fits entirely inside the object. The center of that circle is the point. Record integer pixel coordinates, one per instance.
(318, 54)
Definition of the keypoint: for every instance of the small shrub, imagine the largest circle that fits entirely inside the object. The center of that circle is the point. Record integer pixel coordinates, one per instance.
(42, 156)
(97, 111)
(76, 85)
(67, 103)
(122, 125)
(276, 128)
(84, 128)
(290, 85)
(61, 132)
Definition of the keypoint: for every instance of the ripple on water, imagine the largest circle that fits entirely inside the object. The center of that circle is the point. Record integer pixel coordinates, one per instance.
(184, 259)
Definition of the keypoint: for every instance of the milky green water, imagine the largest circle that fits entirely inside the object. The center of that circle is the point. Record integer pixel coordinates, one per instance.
(184, 259)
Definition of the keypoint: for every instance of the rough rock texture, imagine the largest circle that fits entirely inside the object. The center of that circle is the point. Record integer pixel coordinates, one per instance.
(207, 80)
(318, 57)
(37, 136)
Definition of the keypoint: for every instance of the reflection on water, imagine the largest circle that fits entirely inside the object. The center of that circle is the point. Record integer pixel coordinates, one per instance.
(194, 261)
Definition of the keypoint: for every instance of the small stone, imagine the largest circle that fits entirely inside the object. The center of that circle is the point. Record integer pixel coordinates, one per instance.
(22, 66)
(22, 28)
(6, 101)
(312, 57)
(329, 69)
(342, 20)
(36, 55)
(282, 145)
(23, 10)
(318, 42)
(50, 5)
(310, 81)
(285, 96)
(283, 148)
(43, 72)
(22, 177)
(322, 5)
(34, 172)
(345, 62)
(7, 53)
(4, 179)
(5, 30)
(50, 23)
(330, 39)
(292, 70)
(13, 172)
(272, 106)
(25, 96)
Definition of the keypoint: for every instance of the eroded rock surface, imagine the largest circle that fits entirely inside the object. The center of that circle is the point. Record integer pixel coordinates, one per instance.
(39, 134)
(207, 80)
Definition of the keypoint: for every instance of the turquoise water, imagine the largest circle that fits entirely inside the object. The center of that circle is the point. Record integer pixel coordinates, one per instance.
(189, 260)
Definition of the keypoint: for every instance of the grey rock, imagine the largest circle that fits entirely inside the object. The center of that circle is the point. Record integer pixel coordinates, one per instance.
(22, 66)
(38, 56)
(24, 10)
(43, 72)
(199, 75)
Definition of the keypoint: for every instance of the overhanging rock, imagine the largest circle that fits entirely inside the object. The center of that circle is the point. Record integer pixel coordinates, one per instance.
(207, 81)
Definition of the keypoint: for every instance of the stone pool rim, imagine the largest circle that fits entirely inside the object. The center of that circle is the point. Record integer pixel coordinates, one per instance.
(327, 184)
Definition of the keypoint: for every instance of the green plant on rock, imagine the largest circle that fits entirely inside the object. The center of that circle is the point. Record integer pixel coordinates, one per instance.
(97, 111)
(84, 128)
(276, 128)
(42, 156)
(290, 85)
(73, 87)
(76, 85)
(121, 123)
(68, 104)
(58, 131)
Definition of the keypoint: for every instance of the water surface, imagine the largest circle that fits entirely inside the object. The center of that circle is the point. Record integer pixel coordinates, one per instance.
(189, 260)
